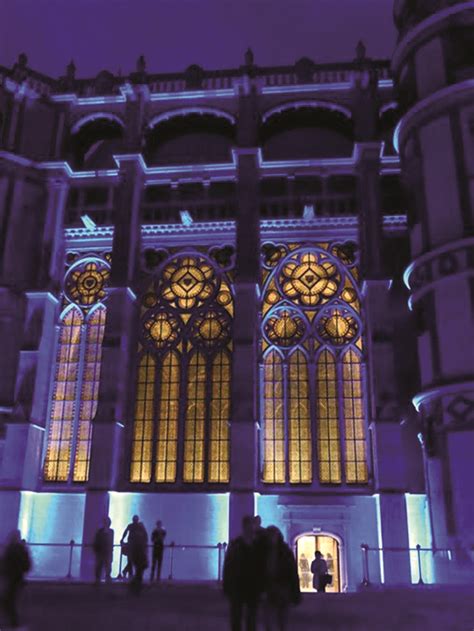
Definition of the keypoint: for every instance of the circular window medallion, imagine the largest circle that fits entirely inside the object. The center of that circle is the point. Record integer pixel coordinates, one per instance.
(86, 282)
(310, 279)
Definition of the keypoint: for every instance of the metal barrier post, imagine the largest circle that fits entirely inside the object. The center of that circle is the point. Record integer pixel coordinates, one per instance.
(170, 577)
(120, 563)
(418, 552)
(71, 550)
(365, 564)
(219, 561)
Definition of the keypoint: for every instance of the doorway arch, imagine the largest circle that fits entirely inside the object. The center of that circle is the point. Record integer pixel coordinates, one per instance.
(330, 546)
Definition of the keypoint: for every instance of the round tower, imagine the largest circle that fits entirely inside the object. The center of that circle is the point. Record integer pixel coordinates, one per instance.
(433, 67)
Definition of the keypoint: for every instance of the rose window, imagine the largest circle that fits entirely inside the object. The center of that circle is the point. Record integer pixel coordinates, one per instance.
(338, 326)
(161, 329)
(211, 328)
(86, 283)
(285, 328)
(188, 282)
(310, 281)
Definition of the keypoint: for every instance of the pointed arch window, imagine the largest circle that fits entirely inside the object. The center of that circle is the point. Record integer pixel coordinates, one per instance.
(313, 396)
(76, 379)
(186, 327)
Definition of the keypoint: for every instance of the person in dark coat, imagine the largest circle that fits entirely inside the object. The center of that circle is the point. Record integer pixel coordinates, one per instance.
(158, 540)
(15, 564)
(243, 577)
(137, 551)
(319, 568)
(103, 547)
(281, 581)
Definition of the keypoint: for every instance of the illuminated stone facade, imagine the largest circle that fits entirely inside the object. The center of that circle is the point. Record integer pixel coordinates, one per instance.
(204, 315)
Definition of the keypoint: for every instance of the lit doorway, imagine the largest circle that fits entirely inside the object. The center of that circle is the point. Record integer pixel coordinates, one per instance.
(306, 546)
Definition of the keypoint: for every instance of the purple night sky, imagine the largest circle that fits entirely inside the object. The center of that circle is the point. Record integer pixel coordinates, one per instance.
(172, 34)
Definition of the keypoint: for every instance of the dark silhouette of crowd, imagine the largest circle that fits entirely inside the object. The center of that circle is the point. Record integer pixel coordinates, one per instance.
(260, 570)
(15, 563)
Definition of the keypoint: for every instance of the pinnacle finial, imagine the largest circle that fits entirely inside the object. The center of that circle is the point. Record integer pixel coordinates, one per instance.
(361, 51)
(71, 70)
(141, 64)
(249, 57)
(22, 60)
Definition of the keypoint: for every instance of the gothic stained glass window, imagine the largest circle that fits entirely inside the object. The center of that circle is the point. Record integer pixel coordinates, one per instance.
(355, 439)
(166, 447)
(274, 467)
(142, 443)
(299, 423)
(195, 420)
(89, 392)
(218, 468)
(312, 380)
(61, 424)
(329, 449)
(186, 327)
(77, 372)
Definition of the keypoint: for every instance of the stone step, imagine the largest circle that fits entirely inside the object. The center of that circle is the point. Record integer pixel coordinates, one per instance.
(190, 606)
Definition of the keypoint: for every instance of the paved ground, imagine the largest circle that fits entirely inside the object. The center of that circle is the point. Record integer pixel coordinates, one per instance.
(187, 607)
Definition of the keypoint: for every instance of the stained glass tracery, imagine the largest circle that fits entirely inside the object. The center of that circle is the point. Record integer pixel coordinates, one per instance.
(311, 314)
(186, 326)
(77, 370)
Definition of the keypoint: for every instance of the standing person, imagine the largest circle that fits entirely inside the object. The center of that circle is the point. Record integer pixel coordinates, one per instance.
(282, 585)
(15, 564)
(158, 540)
(127, 571)
(103, 547)
(319, 568)
(243, 577)
(137, 551)
(257, 524)
(304, 569)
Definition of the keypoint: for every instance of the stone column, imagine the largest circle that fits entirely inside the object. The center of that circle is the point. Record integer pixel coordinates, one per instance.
(117, 352)
(435, 141)
(388, 468)
(244, 363)
(28, 292)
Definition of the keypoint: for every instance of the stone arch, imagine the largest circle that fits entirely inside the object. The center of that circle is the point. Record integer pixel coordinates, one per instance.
(84, 120)
(329, 105)
(339, 569)
(93, 140)
(190, 135)
(185, 111)
(307, 129)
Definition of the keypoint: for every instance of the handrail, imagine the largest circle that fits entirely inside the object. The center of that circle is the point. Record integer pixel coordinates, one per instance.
(221, 548)
(365, 549)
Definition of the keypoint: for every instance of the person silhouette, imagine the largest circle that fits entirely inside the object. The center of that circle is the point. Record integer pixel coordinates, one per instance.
(304, 569)
(137, 540)
(243, 577)
(103, 547)
(158, 540)
(281, 584)
(15, 564)
(319, 568)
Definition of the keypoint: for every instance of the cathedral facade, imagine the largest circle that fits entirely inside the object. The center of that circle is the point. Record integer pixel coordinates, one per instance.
(244, 291)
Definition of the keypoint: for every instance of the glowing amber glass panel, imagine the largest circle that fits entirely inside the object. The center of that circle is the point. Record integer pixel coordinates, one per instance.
(354, 423)
(329, 452)
(274, 465)
(193, 470)
(61, 425)
(89, 392)
(167, 441)
(218, 468)
(299, 424)
(141, 465)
